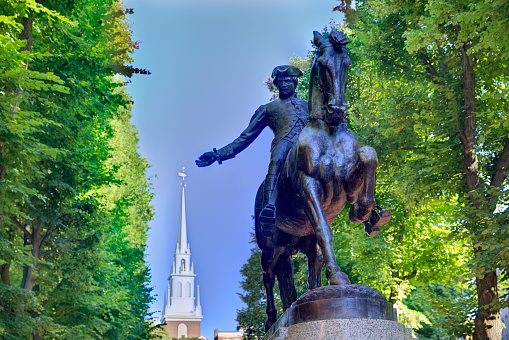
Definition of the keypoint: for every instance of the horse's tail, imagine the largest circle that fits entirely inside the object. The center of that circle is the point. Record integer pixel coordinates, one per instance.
(257, 210)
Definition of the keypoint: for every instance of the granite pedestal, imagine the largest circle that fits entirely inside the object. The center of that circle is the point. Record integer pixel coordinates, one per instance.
(344, 312)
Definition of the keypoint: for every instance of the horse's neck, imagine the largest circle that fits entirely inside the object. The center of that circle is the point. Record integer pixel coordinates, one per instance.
(315, 96)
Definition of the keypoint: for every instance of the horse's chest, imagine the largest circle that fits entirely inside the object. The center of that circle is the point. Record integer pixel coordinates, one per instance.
(329, 164)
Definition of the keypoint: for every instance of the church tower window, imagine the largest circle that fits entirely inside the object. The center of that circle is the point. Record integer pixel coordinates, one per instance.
(182, 330)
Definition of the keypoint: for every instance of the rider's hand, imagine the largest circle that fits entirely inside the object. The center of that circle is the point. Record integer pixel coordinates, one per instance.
(206, 159)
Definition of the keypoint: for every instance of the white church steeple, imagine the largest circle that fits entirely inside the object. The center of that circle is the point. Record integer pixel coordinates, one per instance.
(180, 311)
(182, 240)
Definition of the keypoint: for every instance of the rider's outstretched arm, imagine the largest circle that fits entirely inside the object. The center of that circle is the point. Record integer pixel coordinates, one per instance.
(256, 125)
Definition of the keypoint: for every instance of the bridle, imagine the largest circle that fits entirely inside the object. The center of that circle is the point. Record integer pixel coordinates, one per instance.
(323, 111)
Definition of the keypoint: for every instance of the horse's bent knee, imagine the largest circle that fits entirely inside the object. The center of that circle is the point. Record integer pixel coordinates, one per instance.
(367, 156)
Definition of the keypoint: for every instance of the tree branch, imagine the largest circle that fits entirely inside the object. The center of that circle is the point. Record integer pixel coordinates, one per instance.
(501, 167)
(410, 276)
(402, 67)
(58, 286)
(431, 70)
(27, 233)
(49, 251)
(414, 148)
(45, 237)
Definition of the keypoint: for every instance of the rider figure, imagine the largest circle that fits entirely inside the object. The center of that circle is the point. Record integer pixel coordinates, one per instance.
(286, 117)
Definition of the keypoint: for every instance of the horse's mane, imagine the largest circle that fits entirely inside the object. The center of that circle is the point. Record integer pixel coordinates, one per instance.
(314, 88)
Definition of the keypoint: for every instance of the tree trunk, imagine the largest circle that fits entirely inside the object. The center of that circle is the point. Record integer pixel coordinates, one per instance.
(488, 324)
(487, 321)
(29, 272)
(393, 296)
(6, 280)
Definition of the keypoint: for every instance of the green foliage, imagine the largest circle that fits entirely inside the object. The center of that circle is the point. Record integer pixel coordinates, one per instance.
(252, 317)
(428, 90)
(445, 307)
(74, 198)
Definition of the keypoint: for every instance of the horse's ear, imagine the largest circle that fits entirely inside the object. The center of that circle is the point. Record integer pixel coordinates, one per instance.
(318, 39)
(337, 37)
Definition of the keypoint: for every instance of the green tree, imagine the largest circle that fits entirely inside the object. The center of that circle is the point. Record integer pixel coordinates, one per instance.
(71, 266)
(251, 318)
(437, 113)
(443, 306)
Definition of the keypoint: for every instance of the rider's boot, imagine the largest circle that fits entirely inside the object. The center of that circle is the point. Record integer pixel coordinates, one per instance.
(268, 214)
(376, 220)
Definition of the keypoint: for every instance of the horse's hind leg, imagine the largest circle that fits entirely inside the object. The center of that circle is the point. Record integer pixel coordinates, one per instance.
(310, 248)
(268, 281)
(284, 273)
(360, 185)
(311, 189)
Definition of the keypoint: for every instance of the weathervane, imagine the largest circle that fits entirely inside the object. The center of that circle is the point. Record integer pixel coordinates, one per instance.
(183, 175)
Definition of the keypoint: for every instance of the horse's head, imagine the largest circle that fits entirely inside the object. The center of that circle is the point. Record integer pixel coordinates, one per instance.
(329, 75)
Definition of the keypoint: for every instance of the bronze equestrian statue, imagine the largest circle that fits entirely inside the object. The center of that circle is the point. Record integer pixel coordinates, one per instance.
(324, 169)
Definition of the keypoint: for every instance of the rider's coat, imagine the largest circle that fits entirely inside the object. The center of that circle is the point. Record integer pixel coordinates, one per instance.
(285, 117)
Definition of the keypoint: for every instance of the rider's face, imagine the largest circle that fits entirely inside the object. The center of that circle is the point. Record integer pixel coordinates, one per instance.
(286, 86)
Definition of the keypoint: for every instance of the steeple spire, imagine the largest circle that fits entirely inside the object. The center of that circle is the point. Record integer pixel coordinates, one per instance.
(182, 240)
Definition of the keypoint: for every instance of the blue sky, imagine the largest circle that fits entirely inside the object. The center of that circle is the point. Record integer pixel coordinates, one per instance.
(208, 61)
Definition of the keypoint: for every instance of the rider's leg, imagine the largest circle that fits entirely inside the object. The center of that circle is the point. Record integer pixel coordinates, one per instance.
(269, 197)
(270, 192)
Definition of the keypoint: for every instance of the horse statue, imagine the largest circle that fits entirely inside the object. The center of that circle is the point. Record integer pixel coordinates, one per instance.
(325, 168)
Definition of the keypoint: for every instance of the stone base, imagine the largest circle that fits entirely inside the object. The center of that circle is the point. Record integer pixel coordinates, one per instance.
(344, 329)
(344, 312)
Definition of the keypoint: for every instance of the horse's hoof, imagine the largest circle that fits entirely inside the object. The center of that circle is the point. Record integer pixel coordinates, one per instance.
(371, 231)
(376, 220)
(338, 278)
(268, 324)
(385, 217)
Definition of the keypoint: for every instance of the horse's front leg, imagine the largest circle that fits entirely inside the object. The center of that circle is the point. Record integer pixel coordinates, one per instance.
(312, 193)
(360, 185)
(310, 248)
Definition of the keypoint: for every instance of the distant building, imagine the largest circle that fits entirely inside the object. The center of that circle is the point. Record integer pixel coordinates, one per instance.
(220, 335)
(504, 315)
(180, 313)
